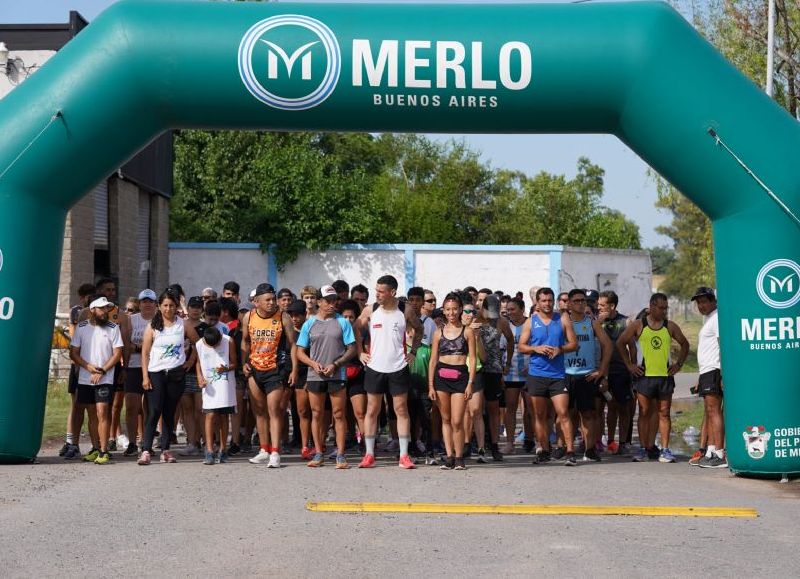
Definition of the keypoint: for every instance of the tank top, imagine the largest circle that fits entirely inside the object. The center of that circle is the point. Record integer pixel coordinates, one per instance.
(168, 350)
(519, 362)
(220, 390)
(387, 330)
(455, 347)
(614, 328)
(138, 326)
(582, 361)
(490, 336)
(654, 349)
(266, 335)
(542, 334)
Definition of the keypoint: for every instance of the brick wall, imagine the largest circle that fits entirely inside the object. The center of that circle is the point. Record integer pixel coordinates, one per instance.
(159, 243)
(77, 259)
(123, 218)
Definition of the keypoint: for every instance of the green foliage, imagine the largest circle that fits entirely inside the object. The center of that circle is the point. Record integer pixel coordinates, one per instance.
(661, 258)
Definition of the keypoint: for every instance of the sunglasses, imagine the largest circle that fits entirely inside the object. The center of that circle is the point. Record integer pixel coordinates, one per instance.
(433, 301)
(469, 311)
(130, 310)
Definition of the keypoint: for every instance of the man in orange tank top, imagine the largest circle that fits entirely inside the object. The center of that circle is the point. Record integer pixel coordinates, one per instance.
(267, 331)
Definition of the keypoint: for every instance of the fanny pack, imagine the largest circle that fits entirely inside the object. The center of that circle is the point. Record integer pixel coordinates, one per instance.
(449, 374)
(353, 371)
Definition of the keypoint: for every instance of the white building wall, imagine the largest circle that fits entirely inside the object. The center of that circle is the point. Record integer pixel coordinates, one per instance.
(196, 268)
(354, 266)
(510, 272)
(21, 64)
(629, 273)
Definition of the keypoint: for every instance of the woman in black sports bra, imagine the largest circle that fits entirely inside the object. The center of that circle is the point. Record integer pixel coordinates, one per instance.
(450, 379)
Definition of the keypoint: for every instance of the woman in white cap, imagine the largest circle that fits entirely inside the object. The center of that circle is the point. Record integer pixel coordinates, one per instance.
(164, 367)
(132, 361)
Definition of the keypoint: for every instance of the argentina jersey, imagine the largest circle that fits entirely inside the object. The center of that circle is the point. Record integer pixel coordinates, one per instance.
(519, 362)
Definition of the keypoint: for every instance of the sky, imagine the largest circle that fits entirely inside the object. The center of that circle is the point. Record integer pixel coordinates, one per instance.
(627, 185)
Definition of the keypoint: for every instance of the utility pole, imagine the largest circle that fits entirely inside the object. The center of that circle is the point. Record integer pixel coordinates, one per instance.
(770, 45)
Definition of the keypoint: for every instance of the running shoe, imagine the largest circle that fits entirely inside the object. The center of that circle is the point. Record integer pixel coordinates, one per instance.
(234, 449)
(713, 462)
(653, 453)
(641, 455)
(274, 460)
(122, 441)
(624, 448)
(666, 456)
(468, 450)
(144, 458)
(209, 458)
(591, 454)
(496, 455)
(406, 462)
(260, 458)
(341, 462)
(613, 447)
(570, 459)
(112, 445)
(559, 452)
(103, 458)
(431, 460)
(131, 450)
(190, 450)
(307, 453)
(448, 464)
(64, 449)
(520, 438)
(222, 457)
(73, 452)
(333, 453)
(697, 457)
(459, 464)
(481, 457)
(166, 457)
(92, 456)
(367, 462)
(317, 460)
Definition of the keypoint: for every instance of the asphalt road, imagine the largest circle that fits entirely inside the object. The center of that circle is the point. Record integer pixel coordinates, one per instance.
(70, 519)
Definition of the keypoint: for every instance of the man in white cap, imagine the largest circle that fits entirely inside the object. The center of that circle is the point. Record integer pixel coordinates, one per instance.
(96, 347)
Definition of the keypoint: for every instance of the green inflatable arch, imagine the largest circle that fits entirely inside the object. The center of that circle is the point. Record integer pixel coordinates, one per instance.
(635, 70)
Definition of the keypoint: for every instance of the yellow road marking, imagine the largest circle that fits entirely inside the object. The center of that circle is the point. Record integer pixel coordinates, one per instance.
(467, 509)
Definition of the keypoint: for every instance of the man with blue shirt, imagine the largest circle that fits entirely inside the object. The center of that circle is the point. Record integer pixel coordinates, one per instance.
(325, 344)
(547, 336)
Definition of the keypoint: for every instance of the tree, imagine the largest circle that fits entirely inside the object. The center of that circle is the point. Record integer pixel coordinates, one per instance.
(661, 258)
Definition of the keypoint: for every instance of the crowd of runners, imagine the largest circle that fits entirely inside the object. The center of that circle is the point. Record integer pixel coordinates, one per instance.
(328, 371)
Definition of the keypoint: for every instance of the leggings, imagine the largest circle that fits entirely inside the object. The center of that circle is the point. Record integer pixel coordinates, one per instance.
(162, 400)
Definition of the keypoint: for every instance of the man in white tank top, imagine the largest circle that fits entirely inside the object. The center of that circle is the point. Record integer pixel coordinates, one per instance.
(386, 364)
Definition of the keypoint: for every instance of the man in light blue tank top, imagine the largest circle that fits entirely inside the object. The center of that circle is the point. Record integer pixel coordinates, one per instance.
(585, 379)
(547, 336)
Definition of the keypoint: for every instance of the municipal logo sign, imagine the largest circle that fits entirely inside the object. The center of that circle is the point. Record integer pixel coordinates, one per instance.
(290, 62)
(778, 283)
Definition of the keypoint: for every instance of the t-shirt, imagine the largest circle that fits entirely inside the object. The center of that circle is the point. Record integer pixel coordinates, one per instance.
(428, 329)
(387, 331)
(97, 344)
(326, 341)
(168, 349)
(708, 344)
(220, 389)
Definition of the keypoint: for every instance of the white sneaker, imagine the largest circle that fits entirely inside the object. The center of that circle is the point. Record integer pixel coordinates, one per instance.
(262, 457)
(122, 441)
(274, 460)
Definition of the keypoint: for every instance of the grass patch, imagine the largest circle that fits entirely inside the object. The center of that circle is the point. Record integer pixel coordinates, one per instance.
(691, 328)
(686, 416)
(56, 410)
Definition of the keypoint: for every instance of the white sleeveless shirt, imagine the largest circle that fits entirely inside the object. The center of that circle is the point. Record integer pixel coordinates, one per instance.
(220, 390)
(138, 326)
(387, 350)
(168, 350)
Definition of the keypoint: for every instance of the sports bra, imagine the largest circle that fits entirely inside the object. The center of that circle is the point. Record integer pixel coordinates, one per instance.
(455, 347)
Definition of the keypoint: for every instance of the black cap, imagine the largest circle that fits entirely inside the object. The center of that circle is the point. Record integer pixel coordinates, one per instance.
(491, 307)
(195, 302)
(284, 292)
(264, 288)
(296, 307)
(704, 291)
(592, 295)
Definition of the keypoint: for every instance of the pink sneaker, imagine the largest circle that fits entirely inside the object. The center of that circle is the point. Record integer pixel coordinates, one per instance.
(166, 456)
(406, 462)
(144, 458)
(367, 462)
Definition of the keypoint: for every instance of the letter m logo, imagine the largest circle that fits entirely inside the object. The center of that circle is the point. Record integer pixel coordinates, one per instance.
(785, 284)
(276, 51)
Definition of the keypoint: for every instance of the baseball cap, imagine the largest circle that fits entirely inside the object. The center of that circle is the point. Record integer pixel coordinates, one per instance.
(264, 288)
(100, 302)
(592, 295)
(195, 302)
(284, 292)
(491, 307)
(704, 291)
(147, 294)
(327, 291)
(296, 307)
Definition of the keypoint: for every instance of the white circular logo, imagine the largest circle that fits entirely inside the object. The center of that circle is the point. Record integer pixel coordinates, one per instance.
(778, 283)
(290, 62)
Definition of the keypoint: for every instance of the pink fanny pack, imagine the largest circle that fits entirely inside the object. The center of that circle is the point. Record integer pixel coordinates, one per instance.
(449, 374)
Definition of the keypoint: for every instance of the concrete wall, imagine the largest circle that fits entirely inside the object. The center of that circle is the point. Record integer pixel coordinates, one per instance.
(626, 272)
(441, 268)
